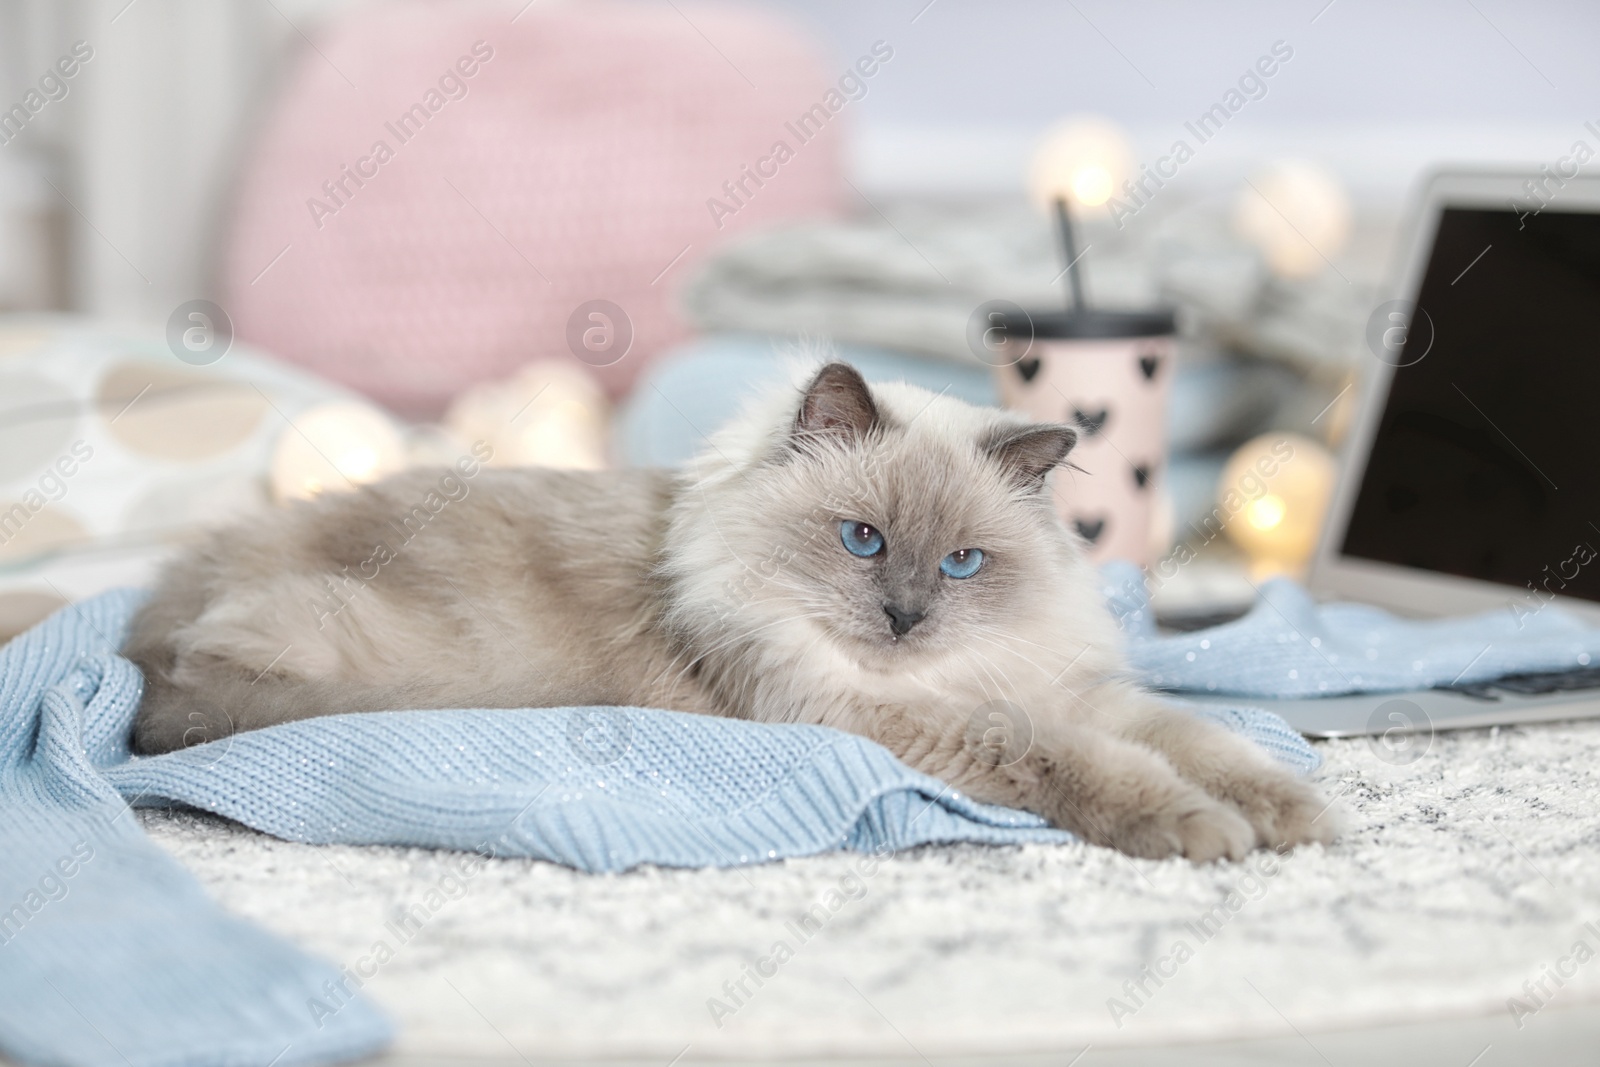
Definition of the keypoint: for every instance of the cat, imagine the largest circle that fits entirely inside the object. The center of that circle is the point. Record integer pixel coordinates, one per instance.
(873, 558)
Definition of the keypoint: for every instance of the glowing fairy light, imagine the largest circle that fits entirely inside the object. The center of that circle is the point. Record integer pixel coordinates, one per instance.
(1082, 160)
(333, 447)
(1297, 214)
(1092, 186)
(1266, 513)
(1272, 497)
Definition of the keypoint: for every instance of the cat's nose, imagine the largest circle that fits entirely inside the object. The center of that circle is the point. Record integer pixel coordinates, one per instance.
(901, 620)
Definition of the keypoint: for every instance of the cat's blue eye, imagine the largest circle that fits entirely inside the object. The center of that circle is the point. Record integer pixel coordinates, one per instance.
(860, 539)
(962, 563)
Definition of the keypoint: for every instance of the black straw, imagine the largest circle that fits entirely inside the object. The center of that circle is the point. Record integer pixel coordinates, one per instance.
(1069, 255)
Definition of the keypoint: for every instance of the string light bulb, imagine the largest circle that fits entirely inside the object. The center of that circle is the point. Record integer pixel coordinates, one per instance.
(549, 414)
(1273, 495)
(1083, 160)
(1297, 214)
(335, 446)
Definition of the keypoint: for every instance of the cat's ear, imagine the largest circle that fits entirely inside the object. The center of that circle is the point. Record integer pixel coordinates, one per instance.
(1028, 453)
(837, 403)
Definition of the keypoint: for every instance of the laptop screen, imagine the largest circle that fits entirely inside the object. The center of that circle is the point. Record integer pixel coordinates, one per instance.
(1486, 461)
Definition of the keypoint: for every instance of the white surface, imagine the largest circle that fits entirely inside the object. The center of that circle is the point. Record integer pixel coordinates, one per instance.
(1464, 875)
(1379, 161)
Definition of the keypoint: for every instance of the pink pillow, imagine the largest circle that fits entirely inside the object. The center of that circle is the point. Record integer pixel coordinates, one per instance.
(485, 177)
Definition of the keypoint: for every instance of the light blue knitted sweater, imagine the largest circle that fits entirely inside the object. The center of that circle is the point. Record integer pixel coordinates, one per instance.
(111, 954)
(1288, 645)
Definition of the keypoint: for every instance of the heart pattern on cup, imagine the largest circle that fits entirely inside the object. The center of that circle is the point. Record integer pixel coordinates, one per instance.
(1112, 394)
(1089, 529)
(1090, 422)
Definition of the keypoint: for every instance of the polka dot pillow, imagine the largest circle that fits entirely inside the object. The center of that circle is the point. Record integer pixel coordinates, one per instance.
(112, 450)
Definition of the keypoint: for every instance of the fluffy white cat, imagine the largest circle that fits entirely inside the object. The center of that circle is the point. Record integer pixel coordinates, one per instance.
(878, 559)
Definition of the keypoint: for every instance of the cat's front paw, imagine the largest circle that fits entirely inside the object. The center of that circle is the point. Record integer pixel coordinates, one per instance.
(1283, 810)
(1197, 828)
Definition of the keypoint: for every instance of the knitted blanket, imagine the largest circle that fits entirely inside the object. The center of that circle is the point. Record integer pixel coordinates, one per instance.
(912, 284)
(1289, 646)
(111, 954)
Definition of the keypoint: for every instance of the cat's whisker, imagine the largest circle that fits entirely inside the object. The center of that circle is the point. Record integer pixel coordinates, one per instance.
(1008, 636)
(1010, 682)
(979, 633)
(778, 577)
(1000, 688)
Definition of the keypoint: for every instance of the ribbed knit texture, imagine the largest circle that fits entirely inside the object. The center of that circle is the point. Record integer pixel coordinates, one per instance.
(683, 790)
(124, 960)
(110, 953)
(1290, 646)
(1282, 741)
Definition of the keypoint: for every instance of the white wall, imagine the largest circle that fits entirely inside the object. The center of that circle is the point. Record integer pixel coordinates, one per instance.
(143, 146)
(1375, 90)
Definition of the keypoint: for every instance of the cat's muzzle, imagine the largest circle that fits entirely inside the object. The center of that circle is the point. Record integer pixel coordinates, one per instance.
(901, 620)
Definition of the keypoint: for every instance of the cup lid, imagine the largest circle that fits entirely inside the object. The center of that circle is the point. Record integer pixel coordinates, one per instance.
(1090, 323)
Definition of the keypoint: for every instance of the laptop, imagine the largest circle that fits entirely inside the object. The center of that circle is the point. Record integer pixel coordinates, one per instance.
(1474, 466)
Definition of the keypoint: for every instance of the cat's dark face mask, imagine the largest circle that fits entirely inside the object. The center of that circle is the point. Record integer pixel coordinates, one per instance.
(901, 543)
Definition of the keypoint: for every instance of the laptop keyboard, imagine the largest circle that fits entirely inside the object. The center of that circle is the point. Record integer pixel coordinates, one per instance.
(1575, 680)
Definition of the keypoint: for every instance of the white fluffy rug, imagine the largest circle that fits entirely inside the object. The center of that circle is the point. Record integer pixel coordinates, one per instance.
(1464, 875)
